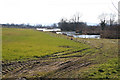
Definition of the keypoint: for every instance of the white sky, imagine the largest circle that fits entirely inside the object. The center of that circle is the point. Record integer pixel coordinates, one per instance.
(51, 11)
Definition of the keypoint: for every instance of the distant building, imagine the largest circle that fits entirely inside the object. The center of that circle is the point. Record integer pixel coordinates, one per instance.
(119, 12)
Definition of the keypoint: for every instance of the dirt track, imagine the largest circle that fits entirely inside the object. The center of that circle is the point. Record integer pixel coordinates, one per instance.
(44, 67)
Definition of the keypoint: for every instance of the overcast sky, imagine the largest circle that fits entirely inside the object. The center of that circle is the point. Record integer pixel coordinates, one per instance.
(51, 11)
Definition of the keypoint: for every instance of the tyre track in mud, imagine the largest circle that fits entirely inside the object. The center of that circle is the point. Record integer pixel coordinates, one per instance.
(68, 66)
(43, 64)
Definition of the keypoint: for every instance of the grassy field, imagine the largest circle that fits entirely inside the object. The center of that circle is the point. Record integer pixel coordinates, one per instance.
(21, 44)
(30, 53)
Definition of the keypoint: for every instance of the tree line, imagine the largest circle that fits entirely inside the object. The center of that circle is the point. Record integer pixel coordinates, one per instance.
(12, 25)
(107, 27)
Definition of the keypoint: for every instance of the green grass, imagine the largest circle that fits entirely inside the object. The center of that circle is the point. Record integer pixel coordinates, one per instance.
(19, 44)
(23, 44)
(105, 60)
(105, 70)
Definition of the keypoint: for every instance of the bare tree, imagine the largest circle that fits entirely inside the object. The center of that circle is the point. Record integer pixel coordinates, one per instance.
(63, 20)
(117, 9)
(76, 17)
(73, 24)
(103, 20)
(107, 18)
(103, 17)
(112, 18)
